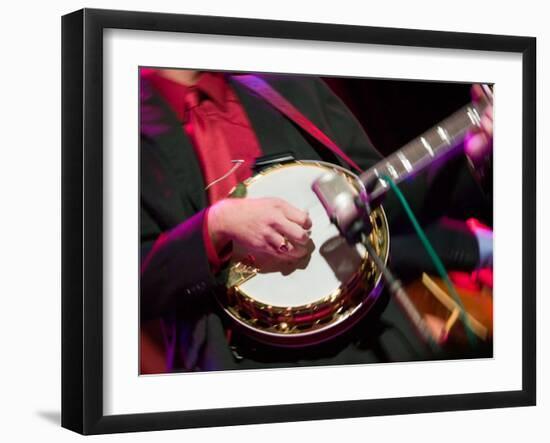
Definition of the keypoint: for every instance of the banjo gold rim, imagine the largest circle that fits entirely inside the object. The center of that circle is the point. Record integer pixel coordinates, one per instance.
(284, 325)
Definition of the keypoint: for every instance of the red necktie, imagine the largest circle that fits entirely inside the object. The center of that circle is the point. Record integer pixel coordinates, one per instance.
(202, 124)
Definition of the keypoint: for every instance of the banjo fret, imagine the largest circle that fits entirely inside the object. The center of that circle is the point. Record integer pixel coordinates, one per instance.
(437, 143)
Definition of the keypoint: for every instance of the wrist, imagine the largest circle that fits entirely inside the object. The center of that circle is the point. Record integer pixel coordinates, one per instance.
(484, 237)
(217, 226)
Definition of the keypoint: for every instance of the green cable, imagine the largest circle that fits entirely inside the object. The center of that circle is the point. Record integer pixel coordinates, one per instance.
(434, 257)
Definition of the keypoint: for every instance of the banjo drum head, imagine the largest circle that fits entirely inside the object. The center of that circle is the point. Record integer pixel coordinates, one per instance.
(292, 302)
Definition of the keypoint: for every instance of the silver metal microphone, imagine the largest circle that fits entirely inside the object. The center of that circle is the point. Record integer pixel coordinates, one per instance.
(348, 210)
(339, 198)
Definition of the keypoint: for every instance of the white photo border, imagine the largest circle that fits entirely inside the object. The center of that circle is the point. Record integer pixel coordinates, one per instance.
(125, 392)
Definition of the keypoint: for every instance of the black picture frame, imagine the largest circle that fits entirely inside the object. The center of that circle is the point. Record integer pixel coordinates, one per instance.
(82, 220)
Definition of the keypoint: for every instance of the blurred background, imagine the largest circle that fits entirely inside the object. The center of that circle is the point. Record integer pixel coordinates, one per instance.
(398, 111)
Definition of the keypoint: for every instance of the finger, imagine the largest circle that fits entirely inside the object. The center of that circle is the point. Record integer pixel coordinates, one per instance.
(298, 251)
(487, 124)
(489, 112)
(278, 243)
(477, 147)
(296, 215)
(282, 248)
(292, 231)
(474, 130)
(476, 92)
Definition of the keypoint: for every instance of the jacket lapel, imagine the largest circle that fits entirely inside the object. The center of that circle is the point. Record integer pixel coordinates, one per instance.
(275, 132)
(173, 149)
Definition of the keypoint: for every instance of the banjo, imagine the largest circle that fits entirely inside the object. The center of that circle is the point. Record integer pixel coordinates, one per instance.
(305, 302)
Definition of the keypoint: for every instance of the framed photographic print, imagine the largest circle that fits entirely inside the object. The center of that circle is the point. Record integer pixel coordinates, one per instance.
(270, 221)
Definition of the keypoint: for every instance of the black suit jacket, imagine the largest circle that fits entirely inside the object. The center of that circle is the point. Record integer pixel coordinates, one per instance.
(175, 273)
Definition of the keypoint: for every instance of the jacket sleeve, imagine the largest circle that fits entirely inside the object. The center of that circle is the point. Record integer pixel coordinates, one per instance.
(452, 240)
(174, 268)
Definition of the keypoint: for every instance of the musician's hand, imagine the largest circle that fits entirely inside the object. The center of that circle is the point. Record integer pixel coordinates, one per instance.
(261, 225)
(478, 144)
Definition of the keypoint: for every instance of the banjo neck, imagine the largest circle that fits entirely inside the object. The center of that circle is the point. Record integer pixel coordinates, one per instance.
(437, 144)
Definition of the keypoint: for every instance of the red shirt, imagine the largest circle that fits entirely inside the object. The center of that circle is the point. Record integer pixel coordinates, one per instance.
(224, 135)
